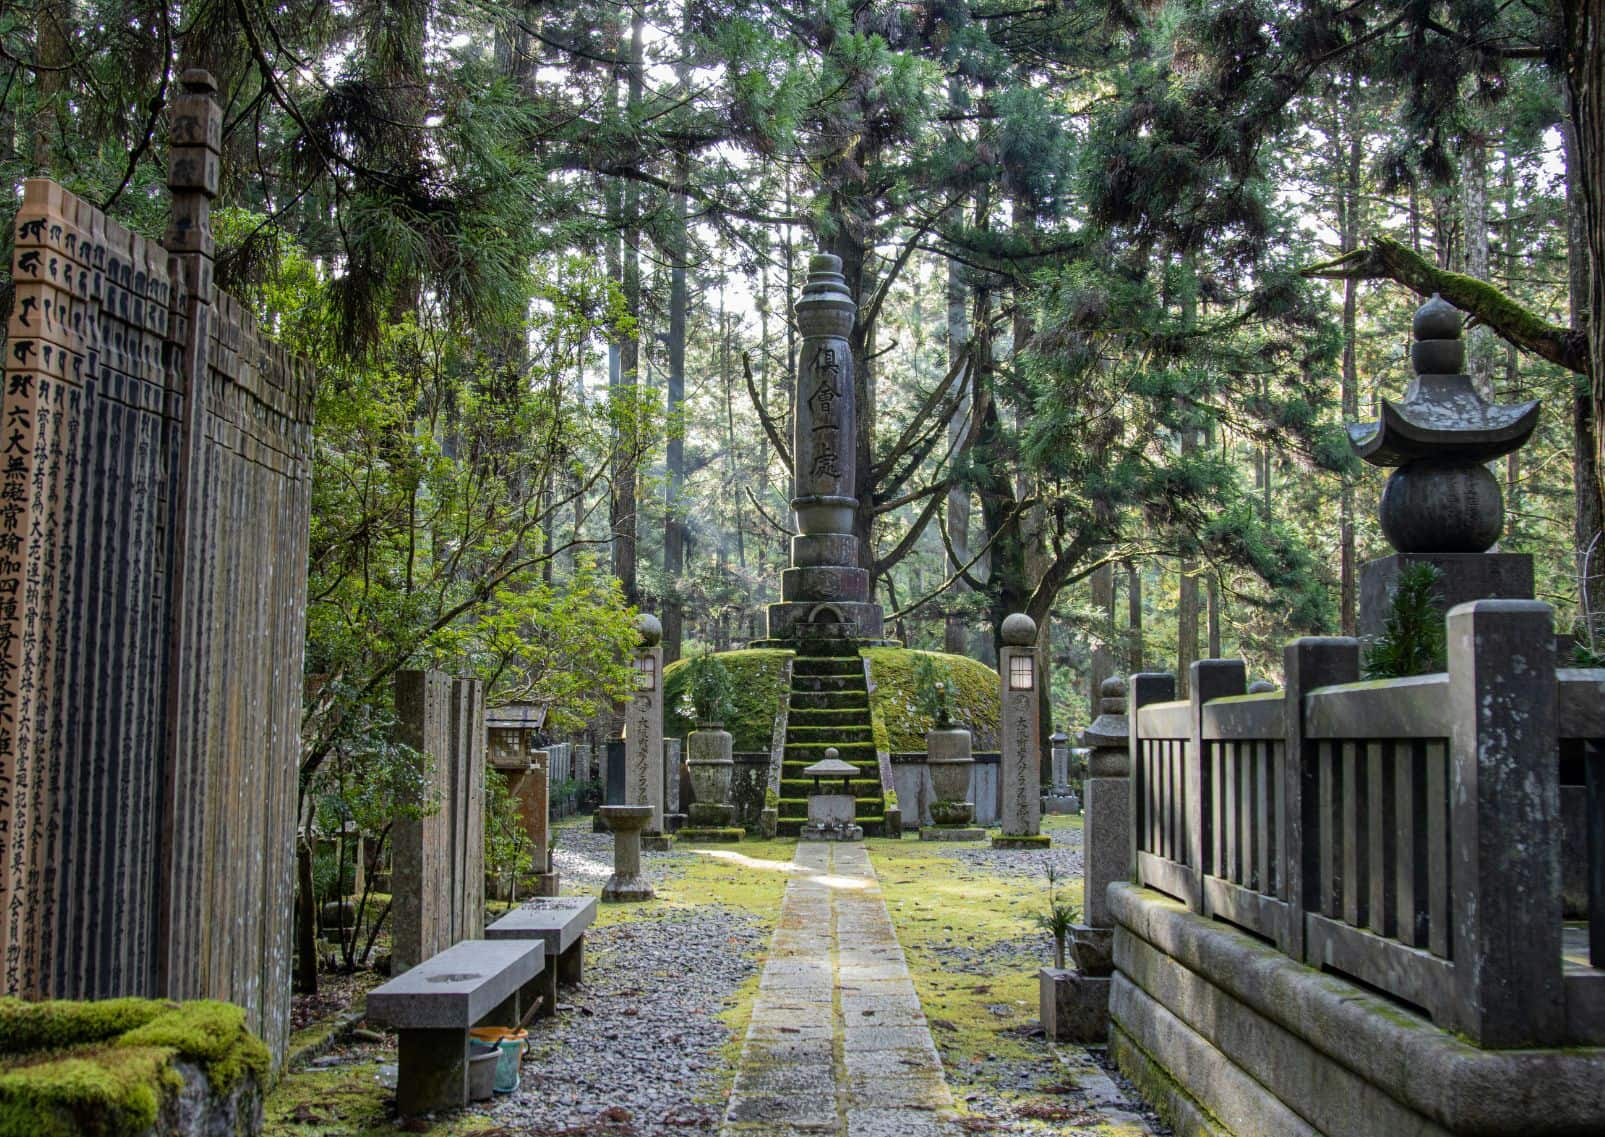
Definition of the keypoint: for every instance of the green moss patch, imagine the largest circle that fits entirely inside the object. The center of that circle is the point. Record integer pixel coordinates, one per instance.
(758, 679)
(900, 724)
(103, 1068)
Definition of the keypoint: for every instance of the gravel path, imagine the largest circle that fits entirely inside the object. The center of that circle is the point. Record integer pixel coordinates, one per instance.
(1063, 856)
(637, 1049)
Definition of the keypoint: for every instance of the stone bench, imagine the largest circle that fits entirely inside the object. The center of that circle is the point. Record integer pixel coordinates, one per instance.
(432, 1006)
(559, 923)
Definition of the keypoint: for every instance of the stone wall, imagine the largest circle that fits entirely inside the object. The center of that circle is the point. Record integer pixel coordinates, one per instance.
(153, 544)
(911, 777)
(748, 783)
(438, 861)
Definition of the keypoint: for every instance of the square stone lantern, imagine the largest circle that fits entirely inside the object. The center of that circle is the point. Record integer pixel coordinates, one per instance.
(832, 815)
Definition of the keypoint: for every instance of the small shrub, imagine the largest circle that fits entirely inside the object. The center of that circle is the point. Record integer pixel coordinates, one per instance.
(1413, 641)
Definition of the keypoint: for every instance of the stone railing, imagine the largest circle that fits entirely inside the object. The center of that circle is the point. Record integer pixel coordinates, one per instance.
(1404, 833)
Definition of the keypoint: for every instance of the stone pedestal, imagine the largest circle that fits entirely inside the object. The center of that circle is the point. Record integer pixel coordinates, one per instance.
(1020, 737)
(831, 818)
(1074, 1007)
(1106, 835)
(1465, 577)
(627, 882)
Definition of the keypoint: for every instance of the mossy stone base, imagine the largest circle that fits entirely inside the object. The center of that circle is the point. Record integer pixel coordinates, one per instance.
(122, 1067)
(952, 833)
(711, 835)
(1022, 841)
(708, 815)
(657, 842)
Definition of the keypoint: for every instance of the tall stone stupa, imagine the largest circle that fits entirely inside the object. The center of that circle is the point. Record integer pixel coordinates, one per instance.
(825, 594)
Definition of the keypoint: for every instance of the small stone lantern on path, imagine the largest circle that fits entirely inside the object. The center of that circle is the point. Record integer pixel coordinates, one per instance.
(627, 882)
(832, 816)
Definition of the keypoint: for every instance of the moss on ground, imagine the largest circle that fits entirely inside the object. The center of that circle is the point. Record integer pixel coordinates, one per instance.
(104, 1068)
(937, 904)
(758, 682)
(899, 724)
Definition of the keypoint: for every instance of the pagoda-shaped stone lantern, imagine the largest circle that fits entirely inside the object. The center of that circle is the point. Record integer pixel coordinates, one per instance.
(1441, 504)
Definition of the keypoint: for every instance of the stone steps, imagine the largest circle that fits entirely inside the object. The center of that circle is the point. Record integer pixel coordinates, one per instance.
(829, 734)
(808, 717)
(825, 684)
(829, 707)
(830, 701)
(827, 665)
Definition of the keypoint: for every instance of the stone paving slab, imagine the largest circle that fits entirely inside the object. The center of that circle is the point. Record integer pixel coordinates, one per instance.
(838, 1043)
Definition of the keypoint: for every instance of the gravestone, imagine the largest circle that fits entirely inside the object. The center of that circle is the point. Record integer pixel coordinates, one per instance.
(1019, 737)
(825, 594)
(438, 861)
(154, 498)
(643, 732)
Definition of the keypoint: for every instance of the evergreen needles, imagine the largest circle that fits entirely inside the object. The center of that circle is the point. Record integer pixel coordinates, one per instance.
(1412, 640)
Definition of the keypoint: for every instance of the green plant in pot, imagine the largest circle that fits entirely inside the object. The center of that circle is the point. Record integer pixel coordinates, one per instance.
(710, 759)
(947, 747)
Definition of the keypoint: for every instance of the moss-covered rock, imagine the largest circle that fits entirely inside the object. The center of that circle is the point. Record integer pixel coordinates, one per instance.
(900, 725)
(758, 676)
(115, 1068)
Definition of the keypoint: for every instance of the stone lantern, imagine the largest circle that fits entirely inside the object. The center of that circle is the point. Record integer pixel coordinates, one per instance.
(1441, 505)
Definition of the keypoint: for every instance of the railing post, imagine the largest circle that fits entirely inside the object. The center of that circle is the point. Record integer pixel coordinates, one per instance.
(1211, 679)
(1308, 663)
(1106, 837)
(1505, 804)
(1146, 687)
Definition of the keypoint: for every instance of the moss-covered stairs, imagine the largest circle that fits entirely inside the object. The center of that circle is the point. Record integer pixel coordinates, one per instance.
(829, 706)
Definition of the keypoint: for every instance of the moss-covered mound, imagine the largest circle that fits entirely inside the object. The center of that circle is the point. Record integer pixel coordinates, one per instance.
(758, 676)
(105, 1068)
(899, 725)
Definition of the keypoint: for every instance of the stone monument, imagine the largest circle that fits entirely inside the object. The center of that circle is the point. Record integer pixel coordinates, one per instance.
(1441, 505)
(949, 752)
(1019, 737)
(157, 486)
(831, 815)
(628, 883)
(825, 594)
(1061, 796)
(643, 733)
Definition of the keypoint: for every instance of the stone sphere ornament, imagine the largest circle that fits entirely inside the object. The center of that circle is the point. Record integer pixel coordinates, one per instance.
(1019, 630)
(650, 629)
(1441, 498)
(1432, 507)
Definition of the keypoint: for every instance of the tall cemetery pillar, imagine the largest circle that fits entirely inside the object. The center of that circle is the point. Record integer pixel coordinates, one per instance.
(1020, 737)
(825, 594)
(1107, 837)
(643, 732)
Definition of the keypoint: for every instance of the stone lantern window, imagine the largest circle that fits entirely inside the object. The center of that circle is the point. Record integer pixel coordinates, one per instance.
(646, 673)
(1022, 673)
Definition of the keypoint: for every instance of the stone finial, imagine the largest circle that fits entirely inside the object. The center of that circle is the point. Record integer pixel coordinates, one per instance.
(1112, 696)
(1261, 687)
(832, 752)
(1019, 630)
(650, 629)
(198, 81)
(1441, 497)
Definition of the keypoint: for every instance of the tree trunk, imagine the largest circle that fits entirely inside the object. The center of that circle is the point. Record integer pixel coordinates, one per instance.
(1102, 665)
(625, 521)
(1133, 619)
(673, 526)
(1474, 225)
(955, 634)
(53, 51)
(1585, 288)
(306, 920)
(1349, 236)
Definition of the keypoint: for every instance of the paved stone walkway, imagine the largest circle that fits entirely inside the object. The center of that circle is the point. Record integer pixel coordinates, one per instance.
(838, 1043)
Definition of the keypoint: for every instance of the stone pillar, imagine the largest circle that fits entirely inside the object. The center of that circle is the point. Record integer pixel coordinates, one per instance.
(643, 729)
(1504, 805)
(1019, 737)
(825, 593)
(1106, 839)
(627, 882)
(532, 789)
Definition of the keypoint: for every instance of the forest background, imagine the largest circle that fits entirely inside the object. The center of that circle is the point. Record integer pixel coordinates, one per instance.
(1124, 270)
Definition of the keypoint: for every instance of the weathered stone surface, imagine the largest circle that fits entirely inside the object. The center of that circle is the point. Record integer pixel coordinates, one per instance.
(1349, 1046)
(627, 883)
(643, 737)
(952, 833)
(458, 987)
(1019, 732)
(559, 922)
(1073, 1007)
(1466, 577)
(1106, 839)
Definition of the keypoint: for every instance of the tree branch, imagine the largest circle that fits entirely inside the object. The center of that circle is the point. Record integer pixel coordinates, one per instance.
(1383, 258)
(769, 427)
(767, 516)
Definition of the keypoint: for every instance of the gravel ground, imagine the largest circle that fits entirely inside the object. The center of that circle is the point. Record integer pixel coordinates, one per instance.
(1063, 856)
(585, 859)
(637, 1049)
